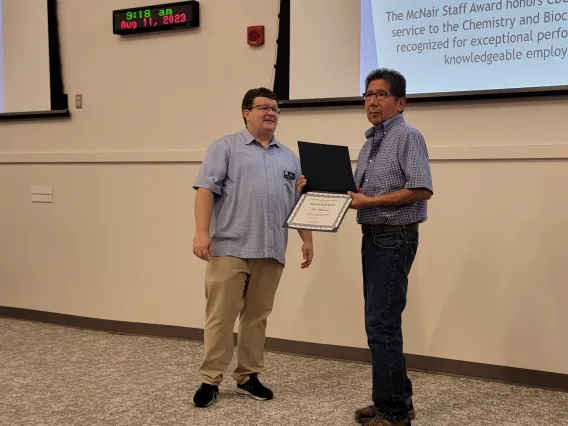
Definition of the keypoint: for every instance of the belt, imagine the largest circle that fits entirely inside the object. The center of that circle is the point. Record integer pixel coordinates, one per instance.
(379, 229)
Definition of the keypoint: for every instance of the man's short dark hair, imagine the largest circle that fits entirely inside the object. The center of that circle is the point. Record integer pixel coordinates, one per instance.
(260, 92)
(394, 78)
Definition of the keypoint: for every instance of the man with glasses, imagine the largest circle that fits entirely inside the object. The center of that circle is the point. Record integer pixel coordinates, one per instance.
(393, 174)
(246, 187)
(394, 183)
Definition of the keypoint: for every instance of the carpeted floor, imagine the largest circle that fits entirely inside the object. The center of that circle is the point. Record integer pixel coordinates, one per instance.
(59, 376)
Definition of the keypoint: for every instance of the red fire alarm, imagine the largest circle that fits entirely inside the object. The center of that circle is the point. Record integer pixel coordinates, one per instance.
(255, 35)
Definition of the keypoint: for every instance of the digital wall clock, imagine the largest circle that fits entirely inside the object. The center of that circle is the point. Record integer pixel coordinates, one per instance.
(161, 17)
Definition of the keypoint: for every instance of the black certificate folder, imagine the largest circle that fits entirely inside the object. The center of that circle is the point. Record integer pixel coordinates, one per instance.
(324, 201)
(327, 168)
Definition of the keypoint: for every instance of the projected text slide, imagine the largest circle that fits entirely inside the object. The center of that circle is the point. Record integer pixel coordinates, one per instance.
(2, 90)
(447, 46)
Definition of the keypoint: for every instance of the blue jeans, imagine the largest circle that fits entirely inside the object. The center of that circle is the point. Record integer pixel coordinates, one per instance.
(387, 259)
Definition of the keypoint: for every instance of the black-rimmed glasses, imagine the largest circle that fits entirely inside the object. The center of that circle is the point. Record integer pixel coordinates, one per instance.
(266, 108)
(381, 96)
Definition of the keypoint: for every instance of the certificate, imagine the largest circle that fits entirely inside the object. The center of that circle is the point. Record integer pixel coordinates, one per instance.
(319, 211)
(324, 200)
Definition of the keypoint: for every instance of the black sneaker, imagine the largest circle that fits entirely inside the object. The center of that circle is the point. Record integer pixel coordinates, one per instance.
(255, 389)
(205, 395)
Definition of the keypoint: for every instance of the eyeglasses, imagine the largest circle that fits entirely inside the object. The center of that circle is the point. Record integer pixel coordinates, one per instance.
(265, 109)
(381, 96)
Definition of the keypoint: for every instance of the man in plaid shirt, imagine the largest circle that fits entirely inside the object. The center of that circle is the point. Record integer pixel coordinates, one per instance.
(394, 184)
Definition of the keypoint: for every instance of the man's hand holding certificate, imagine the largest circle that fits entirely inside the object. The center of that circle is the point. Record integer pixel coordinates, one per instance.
(324, 188)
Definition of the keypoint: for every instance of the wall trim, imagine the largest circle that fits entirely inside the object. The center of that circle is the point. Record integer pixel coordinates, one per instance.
(499, 152)
(509, 375)
(437, 153)
(149, 156)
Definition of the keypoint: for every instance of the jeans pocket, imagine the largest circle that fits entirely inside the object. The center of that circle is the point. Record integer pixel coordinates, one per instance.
(411, 248)
(386, 241)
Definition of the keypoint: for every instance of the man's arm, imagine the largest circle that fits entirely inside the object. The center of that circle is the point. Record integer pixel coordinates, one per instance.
(307, 247)
(402, 196)
(306, 236)
(209, 181)
(203, 211)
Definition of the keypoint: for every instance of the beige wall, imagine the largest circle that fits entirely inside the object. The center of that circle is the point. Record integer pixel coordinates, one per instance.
(489, 283)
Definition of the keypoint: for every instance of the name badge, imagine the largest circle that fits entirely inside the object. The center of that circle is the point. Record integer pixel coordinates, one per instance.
(289, 175)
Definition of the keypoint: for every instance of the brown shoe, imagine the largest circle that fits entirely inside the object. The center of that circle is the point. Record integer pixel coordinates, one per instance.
(366, 414)
(377, 421)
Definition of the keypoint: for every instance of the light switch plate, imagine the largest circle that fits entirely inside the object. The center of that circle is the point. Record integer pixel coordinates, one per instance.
(42, 190)
(41, 198)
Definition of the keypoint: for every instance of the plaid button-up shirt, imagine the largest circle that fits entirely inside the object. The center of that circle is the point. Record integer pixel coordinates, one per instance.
(394, 157)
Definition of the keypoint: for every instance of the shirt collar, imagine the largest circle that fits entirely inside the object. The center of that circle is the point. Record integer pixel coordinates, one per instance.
(386, 126)
(250, 138)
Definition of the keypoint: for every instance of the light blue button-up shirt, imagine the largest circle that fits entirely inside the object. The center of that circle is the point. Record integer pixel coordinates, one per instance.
(255, 190)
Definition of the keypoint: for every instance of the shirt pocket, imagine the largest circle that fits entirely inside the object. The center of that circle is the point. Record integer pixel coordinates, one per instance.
(285, 186)
(390, 178)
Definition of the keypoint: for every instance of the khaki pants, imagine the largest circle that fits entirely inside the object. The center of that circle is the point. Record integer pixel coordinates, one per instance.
(236, 286)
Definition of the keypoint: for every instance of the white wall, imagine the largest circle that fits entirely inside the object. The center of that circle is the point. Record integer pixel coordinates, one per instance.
(489, 283)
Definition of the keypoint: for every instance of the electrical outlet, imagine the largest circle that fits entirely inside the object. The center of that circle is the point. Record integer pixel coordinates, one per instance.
(79, 101)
